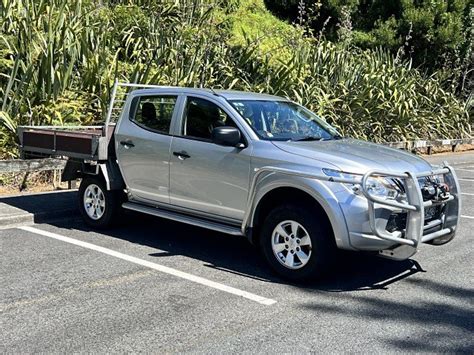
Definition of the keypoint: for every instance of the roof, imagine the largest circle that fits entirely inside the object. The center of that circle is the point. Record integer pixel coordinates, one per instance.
(245, 95)
(227, 94)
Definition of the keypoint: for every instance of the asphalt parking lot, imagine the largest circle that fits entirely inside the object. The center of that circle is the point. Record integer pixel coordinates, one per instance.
(153, 285)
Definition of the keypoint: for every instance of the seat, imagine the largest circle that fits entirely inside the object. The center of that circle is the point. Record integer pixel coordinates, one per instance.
(214, 118)
(201, 120)
(252, 114)
(149, 115)
(195, 126)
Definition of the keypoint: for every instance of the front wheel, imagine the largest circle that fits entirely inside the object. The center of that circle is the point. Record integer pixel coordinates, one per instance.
(98, 206)
(297, 242)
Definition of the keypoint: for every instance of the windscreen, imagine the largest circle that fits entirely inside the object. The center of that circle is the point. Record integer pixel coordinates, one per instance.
(283, 120)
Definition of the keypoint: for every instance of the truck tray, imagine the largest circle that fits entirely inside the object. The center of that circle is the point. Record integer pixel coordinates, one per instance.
(83, 142)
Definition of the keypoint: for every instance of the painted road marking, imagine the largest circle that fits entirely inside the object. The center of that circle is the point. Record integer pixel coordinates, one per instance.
(154, 266)
(462, 163)
(471, 180)
(466, 166)
(472, 171)
(468, 217)
(467, 194)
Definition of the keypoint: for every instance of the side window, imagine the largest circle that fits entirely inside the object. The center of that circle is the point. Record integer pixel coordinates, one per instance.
(201, 117)
(155, 112)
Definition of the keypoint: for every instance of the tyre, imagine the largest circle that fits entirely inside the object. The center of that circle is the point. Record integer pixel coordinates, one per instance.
(98, 206)
(297, 244)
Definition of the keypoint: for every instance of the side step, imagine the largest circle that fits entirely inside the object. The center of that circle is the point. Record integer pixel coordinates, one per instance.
(175, 216)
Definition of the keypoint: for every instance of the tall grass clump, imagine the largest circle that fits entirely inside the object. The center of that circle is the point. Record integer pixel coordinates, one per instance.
(368, 95)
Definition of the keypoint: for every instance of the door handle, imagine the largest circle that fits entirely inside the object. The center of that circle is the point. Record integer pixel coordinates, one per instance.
(182, 155)
(127, 144)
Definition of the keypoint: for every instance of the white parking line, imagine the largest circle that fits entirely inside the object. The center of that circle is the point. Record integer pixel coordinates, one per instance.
(466, 167)
(468, 217)
(471, 180)
(472, 171)
(157, 267)
(467, 194)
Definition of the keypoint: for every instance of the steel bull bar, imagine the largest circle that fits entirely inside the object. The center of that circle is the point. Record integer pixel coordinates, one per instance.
(415, 206)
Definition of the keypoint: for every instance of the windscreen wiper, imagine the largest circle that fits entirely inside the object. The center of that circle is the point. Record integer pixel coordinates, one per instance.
(335, 137)
(307, 139)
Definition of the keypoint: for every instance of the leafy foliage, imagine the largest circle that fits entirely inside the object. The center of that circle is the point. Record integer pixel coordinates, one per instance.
(438, 30)
(59, 59)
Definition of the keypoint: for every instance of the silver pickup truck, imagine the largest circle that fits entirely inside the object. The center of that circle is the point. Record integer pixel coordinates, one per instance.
(252, 165)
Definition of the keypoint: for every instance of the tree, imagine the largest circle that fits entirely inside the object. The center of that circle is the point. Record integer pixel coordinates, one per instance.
(432, 33)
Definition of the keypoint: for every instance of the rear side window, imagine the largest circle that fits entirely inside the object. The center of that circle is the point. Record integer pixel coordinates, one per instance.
(201, 117)
(155, 112)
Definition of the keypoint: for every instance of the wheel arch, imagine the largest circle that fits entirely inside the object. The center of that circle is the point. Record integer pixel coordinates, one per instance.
(315, 195)
(108, 171)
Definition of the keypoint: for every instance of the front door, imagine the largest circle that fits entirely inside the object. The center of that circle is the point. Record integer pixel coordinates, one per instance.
(205, 176)
(143, 144)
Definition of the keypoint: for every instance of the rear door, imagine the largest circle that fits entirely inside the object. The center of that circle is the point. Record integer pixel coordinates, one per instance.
(143, 143)
(204, 176)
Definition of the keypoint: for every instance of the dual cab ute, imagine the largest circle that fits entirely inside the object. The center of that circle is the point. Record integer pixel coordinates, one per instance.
(254, 165)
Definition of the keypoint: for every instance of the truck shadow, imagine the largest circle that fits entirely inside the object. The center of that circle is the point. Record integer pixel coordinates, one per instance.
(60, 204)
(437, 317)
(235, 255)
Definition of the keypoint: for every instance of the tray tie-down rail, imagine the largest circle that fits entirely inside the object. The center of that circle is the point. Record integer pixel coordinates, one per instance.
(415, 205)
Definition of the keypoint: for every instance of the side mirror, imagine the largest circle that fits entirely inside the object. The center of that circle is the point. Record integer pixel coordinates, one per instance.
(226, 135)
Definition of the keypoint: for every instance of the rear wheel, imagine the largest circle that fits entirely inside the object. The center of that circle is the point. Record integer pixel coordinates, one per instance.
(98, 206)
(297, 243)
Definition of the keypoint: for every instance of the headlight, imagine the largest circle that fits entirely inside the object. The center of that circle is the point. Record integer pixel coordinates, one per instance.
(382, 187)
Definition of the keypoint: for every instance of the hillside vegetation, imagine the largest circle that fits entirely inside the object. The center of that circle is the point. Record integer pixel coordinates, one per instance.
(59, 59)
(435, 34)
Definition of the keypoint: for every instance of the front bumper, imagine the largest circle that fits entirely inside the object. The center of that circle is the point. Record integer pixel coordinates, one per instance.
(369, 230)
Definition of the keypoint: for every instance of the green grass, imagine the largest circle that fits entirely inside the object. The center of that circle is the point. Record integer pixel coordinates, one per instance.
(252, 21)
